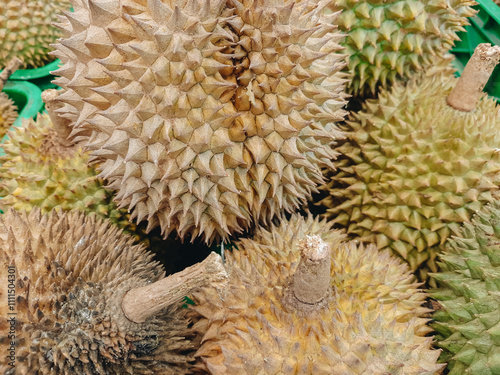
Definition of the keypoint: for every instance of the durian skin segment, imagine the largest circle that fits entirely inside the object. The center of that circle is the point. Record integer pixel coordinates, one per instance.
(372, 325)
(413, 169)
(8, 113)
(37, 171)
(468, 322)
(72, 271)
(26, 31)
(389, 41)
(215, 171)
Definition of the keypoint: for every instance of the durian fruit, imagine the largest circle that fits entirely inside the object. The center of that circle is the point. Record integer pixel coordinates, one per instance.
(414, 169)
(26, 31)
(207, 116)
(38, 171)
(468, 323)
(392, 40)
(8, 113)
(292, 306)
(73, 276)
(42, 168)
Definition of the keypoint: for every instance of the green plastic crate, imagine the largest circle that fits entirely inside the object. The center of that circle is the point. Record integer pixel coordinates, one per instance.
(28, 99)
(40, 77)
(484, 28)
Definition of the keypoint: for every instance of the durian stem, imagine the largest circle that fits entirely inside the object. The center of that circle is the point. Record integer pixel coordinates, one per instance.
(476, 74)
(61, 125)
(310, 286)
(139, 304)
(11, 67)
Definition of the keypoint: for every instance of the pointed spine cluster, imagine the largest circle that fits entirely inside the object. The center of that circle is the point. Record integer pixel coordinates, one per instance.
(370, 325)
(205, 115)
(72, 271)
(408, 181)
(391, 40)
(26, 31)
(467, 322)
(38, 171)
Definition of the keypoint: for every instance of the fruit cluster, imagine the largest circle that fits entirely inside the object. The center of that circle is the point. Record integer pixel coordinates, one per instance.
(238, 123)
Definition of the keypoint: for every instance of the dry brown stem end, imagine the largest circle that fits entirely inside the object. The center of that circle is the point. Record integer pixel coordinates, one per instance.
(310, 287)
(469, 87)
(11, 67)
(139, 304)
(61, 125)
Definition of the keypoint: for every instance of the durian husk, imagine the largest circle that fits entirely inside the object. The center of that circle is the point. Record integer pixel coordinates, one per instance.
(8, 113)
(27, 31)
(392, 40)
(413, 169)
(38, 171)
(71, 272)
(372, 323)
(467, 322)
(207, 116)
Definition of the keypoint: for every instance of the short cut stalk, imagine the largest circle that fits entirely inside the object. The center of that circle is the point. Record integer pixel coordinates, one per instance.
(61, 125)
(11, 67)
(310, 285)
(477, 72)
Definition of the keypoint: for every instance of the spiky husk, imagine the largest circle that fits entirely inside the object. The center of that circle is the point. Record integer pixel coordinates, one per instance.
(468, 324)
(392, 40)
(37, 171)
(26, 30)
(206, 115)
(8, 113)
(414, 169)
(71, 272)
(372, 325)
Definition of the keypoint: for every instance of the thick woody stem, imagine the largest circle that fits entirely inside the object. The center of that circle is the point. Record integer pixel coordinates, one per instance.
(469, 87)
(310, 286)
(139, 304)
(11, 67)
(61, 125)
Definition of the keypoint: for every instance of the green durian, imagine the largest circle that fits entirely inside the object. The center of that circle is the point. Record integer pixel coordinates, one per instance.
(8, 113)
(468, 323)
(26, 30)
(391, 40)
(369, 322)
(38, 171)
(414, 169)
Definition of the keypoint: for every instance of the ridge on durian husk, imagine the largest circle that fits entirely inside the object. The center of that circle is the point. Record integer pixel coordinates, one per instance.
(26, 30)
(468, 323)
(38, 171)
(371, 325)
(71, 272)
(392, 40)
(207, 116)
(414, 169)
(8, 113)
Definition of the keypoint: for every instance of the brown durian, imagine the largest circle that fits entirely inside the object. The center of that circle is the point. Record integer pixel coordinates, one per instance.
(207, 116)
(70, 273)
(293, 306)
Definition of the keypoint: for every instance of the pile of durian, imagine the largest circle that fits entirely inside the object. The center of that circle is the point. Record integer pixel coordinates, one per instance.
(324, 148)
